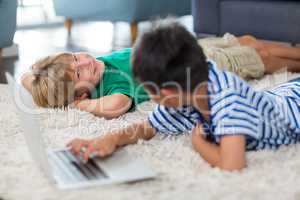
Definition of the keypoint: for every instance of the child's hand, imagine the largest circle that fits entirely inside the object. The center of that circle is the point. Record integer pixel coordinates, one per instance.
(80, 104)
(198, 134)
(78, 100)
(77, 146)
(103, 146)
(74, 103)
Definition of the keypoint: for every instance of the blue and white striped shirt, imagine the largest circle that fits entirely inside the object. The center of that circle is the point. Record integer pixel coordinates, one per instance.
(268, 119)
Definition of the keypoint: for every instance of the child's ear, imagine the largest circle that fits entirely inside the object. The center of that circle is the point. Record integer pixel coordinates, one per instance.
(82, 96)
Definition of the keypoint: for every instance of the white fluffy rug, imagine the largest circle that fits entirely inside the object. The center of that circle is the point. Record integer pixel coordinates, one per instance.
(182, 172)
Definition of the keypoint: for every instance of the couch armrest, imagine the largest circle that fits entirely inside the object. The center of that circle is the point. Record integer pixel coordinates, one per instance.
(206, 16)
(8, 14)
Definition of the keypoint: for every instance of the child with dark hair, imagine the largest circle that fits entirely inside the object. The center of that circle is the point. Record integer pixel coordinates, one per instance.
(226, 116)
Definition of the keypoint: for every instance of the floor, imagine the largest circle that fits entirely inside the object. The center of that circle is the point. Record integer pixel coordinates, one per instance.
(181, 173)
(97, 38)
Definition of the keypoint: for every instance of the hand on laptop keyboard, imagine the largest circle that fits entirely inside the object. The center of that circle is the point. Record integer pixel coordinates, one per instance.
(85, 149)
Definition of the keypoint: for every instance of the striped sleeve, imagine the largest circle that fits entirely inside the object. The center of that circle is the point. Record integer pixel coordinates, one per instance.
(163, 121)
(236, 117)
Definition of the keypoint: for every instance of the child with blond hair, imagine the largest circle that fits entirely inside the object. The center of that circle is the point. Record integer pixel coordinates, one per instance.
(103, 86)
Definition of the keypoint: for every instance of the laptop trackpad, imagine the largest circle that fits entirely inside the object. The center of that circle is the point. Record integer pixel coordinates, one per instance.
(122, 166)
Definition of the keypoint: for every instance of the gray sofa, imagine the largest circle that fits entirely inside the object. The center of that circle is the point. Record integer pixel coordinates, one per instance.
(266, 19)
(132, 11)
(8, 10)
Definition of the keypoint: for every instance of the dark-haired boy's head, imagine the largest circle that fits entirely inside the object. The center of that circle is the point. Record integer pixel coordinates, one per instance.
(169, 61)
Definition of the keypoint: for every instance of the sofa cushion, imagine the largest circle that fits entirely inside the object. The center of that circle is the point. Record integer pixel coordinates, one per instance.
(266, 19)
(259, 0)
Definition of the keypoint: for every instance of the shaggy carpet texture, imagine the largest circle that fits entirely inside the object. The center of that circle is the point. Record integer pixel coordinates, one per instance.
(182, 173)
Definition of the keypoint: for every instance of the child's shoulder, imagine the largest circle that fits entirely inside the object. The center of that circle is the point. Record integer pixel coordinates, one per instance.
(120, 54)
(118, 59)
(220, 80)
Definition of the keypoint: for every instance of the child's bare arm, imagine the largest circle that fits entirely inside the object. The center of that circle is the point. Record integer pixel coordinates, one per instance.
(230, 155)
(209, 151)
(108, 106)
(232, 151)
(106, 145)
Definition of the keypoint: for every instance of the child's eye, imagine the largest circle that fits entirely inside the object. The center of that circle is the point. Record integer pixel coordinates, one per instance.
(77, 73)
(75, 58)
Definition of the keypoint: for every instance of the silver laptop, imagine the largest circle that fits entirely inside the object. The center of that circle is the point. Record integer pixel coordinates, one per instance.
(61, 166)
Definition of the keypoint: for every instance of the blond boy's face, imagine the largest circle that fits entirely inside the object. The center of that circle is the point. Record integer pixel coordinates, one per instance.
(86, 73)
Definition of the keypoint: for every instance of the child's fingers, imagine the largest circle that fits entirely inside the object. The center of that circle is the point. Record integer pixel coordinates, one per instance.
(198, 133)
(84, 96)
(86, 154)
(196, 130)
(73, 142)
(77, 146)
(200, 130)
(71, 105)
(199, 126)
(76, 102)
(93, 152)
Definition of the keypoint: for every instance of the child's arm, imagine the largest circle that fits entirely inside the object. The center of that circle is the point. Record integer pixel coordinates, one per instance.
(230, 155)
(108, 106)
(107, 144)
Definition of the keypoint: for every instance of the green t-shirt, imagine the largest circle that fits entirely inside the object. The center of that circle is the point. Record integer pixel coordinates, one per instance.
(118, 78)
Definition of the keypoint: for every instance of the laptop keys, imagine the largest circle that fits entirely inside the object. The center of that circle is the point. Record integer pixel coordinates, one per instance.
(64, 172)
(79, 170)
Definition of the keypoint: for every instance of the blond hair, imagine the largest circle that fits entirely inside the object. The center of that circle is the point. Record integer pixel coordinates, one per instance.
(52, 85)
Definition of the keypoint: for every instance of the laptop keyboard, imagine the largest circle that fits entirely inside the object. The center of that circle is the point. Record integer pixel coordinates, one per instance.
(73, 170)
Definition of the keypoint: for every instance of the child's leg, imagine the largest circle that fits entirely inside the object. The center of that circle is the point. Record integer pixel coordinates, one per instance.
(274, 57)
(251, 41)
(278, 50)
(274, 63)
(283, 51)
